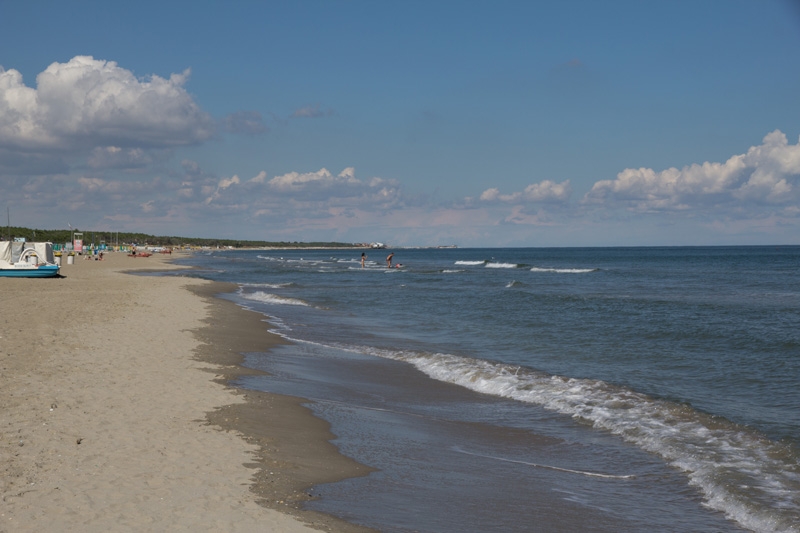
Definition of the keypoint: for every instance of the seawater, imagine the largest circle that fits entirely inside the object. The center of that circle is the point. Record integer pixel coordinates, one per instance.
(533, 389)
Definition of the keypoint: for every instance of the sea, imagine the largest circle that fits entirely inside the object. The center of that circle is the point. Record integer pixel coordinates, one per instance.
(540, 389)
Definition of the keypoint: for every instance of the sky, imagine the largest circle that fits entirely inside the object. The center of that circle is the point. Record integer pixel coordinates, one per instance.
(411, 123)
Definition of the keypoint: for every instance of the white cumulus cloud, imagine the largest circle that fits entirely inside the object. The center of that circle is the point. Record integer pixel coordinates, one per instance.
(116, 157)
(87, 102)
(545, 191)
(343, 189)
(295, 181)
(222, 185)
(767, 173)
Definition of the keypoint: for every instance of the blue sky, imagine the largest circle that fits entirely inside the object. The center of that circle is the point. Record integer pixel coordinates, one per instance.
(572, 123)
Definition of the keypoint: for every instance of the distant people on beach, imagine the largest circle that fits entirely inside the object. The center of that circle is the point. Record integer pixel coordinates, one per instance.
(389, 260)
(363, 258)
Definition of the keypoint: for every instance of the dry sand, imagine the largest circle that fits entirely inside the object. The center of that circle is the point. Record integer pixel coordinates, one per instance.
(114, 415)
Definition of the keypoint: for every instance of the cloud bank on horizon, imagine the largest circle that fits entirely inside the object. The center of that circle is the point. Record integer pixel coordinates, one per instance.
(92, 140)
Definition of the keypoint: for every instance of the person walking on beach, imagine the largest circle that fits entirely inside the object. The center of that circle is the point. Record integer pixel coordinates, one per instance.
(389, 260)
(363, 258)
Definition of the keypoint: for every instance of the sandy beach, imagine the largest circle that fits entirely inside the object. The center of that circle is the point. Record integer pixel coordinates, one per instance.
(115, 414)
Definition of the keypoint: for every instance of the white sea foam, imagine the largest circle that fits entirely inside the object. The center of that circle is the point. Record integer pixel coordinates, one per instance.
(368, 268)
(470, 263)
(734, 468)
(501, 265)
(267, 258)
(268, 285)
(268, 298)
(565, 270)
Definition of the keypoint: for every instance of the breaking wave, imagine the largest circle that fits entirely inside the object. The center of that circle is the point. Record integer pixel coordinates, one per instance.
(753, 480)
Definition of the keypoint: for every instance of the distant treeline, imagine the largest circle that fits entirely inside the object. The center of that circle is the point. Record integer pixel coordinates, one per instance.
(114, 238)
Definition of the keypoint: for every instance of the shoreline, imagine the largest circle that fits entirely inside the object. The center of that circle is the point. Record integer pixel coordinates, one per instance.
(110, 421)
(295, 452)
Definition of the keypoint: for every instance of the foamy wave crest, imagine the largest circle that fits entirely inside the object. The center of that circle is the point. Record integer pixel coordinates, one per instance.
(451, 271)
(267, 298)
(740, 472)
(470, 263)
(269, 285)
(513, 283)
(269, 258)
(289, 259)
(502, 265)
(565, 270)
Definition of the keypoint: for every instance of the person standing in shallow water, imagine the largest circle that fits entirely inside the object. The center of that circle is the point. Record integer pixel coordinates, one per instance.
(389, 260)
(363, 258)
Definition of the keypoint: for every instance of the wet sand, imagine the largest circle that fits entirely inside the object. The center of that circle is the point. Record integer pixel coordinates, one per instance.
(115, 414)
